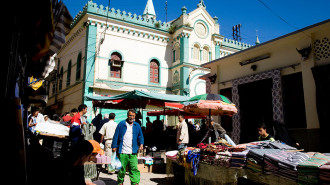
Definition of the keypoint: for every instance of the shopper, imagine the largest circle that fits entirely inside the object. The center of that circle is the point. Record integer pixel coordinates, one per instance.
(182, 133)
(75, 133)
(128, 139)
(97, 135)
(107, 132)
(33, 119)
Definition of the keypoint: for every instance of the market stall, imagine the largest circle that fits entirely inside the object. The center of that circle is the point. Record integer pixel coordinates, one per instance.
(262, 162)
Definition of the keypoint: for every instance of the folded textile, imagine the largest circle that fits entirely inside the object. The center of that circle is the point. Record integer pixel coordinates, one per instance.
(315, 162)
(308, 171)
(278, 145)
(288, 159)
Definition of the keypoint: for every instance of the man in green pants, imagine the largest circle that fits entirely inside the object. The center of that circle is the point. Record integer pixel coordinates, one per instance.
(127, 140)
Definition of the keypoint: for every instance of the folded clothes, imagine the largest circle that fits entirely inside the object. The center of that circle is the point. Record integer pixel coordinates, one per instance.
(287, 159)
(283, 146)
(308, 171)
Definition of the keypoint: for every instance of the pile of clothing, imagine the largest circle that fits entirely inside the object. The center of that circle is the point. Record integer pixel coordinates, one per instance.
(279, 145)
(238, 159)
(223, 159)
(172, 155)
(324, 175)
(255, 158)
(308, 171)
(284, 163)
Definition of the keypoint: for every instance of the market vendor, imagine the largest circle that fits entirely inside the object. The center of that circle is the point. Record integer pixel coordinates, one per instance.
(214, 130)
(263, 135)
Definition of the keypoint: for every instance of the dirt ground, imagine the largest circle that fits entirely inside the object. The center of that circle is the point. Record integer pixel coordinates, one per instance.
(146, 179)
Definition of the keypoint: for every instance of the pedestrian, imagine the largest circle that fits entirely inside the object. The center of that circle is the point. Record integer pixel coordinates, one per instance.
(46, 118)
(157, 130)
(107, 131)
(182, 133)
(128, 139)
(75, 133)
(148, 125)
(263, 135)
(191, 132)
(32, 120)
(97, 135)
(67, 117)
(69, 168)
(74, 111)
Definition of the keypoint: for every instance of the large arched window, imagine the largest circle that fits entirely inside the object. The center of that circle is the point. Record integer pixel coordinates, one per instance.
(205, 54)
(78, 71)
(68, 74)
(115, 65)
(154, 71)
(196, 52)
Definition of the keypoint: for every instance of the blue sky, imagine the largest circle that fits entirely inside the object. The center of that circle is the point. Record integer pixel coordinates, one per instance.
(251, 14)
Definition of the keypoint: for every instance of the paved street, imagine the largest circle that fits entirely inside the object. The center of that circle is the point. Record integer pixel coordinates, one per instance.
(146, 179)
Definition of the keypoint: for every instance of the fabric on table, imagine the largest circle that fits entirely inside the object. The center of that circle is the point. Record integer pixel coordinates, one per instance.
(278, 145)
(308, 171)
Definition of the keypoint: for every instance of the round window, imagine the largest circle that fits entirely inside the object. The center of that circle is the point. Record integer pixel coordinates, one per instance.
(201, 29)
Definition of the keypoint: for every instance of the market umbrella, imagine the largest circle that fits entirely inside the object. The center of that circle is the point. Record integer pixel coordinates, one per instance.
(176, 112)
(210, 104)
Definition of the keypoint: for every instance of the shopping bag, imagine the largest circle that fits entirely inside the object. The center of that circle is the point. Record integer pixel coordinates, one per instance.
(115, 162)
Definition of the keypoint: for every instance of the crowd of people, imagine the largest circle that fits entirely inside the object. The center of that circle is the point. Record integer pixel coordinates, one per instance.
(124, 139)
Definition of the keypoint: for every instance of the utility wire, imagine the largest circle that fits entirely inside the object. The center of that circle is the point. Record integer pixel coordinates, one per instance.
(282, 18)
(277, 15)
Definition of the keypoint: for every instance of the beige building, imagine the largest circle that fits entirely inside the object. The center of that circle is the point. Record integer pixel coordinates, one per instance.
(279, 81)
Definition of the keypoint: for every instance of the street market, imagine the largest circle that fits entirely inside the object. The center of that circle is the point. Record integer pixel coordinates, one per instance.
(95, 95)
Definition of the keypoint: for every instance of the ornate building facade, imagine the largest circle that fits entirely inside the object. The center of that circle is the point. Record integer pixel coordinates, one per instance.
(109, 52)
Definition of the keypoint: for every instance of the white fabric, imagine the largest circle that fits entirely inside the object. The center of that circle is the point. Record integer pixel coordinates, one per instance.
(231, 142)
(183, 134)
(52, 127)
(128, 140)
(108, 129)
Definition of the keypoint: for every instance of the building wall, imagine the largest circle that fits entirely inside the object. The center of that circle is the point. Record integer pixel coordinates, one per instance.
(283, 56)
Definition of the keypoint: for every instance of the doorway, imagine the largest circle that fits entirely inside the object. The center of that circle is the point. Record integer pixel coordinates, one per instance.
(255, 99)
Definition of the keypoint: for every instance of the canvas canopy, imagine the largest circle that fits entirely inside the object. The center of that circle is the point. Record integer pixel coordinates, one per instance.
(135, 99)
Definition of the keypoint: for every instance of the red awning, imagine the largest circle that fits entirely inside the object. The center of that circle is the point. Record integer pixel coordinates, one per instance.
(175, 112)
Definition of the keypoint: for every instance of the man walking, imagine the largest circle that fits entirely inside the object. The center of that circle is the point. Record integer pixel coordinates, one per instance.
(107, 131)
(76, 123)
(128, 139)
(182, 133)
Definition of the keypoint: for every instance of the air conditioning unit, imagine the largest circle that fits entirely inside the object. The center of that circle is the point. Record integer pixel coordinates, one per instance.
(116, 63)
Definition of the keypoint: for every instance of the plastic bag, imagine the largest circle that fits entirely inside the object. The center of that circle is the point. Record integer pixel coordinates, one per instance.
(115, 162)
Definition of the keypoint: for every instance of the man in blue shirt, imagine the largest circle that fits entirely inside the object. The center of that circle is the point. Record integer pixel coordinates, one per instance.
(128, 139)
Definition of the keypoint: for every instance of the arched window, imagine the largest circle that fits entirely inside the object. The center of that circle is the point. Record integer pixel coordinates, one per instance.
(68, 74)
(196, 52)
(154, 71)
(205, 54)
(115, 66)
(78, 71)
(177, 52)
(61, 79)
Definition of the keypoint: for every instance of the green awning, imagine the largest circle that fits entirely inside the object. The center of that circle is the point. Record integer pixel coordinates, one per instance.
(141, 95)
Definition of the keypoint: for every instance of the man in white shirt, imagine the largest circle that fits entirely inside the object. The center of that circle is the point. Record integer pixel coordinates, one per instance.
(182, 133)
(107, 131)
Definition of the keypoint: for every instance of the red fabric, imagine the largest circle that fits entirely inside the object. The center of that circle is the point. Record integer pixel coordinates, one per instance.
(76, 118)
(66, 118)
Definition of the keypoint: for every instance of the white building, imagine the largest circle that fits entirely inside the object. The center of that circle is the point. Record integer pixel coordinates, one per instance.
(109, 52)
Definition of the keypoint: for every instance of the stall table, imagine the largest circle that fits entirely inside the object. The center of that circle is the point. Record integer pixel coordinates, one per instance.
(217, 175)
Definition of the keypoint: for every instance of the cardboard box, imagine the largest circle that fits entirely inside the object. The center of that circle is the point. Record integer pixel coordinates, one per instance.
(144, 168)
